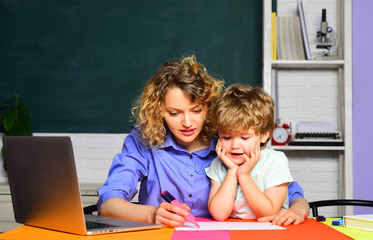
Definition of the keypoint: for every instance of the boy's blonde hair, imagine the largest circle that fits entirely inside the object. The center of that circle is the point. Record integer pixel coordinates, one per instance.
(242, 107)
(192, 78)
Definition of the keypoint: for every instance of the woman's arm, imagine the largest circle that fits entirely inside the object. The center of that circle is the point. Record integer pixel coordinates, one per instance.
(166, 214)
(117, 207)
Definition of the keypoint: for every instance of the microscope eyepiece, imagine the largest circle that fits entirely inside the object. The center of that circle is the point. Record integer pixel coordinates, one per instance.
(323, 15)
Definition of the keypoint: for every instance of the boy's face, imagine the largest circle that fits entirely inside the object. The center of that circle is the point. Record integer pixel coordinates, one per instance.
(236, 144)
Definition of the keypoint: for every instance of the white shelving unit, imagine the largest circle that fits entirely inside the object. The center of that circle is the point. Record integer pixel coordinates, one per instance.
(341, 68)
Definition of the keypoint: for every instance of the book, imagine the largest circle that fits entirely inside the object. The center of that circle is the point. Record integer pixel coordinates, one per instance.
(274, 36)
(299, 46)
(363, 222)
(304, 30)
(289, 38)
(281, 38)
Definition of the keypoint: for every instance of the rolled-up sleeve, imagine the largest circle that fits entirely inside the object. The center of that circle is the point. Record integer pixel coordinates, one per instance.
(127, 169)
(295, 191)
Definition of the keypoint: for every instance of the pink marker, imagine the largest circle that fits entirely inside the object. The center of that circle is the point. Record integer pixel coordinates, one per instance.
(171, 199)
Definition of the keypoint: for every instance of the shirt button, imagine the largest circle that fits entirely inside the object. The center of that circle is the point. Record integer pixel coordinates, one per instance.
(191, 174)
(190, 156)
(190, 195)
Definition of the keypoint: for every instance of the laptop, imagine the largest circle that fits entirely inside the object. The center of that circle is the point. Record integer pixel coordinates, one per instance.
(45, 190)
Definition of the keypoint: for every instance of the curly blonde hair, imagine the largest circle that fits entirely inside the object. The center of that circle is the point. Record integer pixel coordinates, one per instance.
(242, 107)
(189, 76)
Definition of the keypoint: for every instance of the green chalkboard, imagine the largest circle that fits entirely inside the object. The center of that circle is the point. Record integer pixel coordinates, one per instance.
(80, 64)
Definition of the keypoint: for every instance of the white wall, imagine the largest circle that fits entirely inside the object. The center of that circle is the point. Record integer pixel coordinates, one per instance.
(93, 155)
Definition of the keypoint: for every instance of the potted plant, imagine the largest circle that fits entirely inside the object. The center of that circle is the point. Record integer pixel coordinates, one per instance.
(14, 119)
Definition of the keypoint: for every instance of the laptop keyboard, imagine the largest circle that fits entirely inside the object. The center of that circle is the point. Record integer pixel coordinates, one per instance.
(96, 225)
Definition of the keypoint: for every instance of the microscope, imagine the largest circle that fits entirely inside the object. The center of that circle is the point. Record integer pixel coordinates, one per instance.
(329, 39)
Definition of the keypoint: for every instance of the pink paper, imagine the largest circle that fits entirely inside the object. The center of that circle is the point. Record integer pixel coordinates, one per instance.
(205, 235)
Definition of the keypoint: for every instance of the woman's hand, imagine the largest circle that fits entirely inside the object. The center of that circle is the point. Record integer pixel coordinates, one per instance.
(284, 217)
(170, 215)
(296, 214)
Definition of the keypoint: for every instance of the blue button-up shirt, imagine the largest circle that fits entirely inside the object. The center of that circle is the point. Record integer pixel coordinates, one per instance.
(295, 191)
(169, 167)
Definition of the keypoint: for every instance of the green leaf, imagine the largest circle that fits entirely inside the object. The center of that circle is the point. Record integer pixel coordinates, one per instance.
(10, 118)
(24, 127)
(23, 110)
(15, 121)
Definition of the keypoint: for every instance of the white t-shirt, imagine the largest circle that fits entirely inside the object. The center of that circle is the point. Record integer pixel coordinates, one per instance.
(271, 170)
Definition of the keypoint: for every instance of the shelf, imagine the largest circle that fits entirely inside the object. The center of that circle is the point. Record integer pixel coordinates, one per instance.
(308, 148)
(317, 70)
(307, 64)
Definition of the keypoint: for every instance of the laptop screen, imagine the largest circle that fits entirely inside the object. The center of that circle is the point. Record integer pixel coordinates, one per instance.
(43, 182)
(45, 189)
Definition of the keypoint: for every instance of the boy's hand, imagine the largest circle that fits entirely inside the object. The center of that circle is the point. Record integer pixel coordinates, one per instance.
(223, 157)
(250, 162)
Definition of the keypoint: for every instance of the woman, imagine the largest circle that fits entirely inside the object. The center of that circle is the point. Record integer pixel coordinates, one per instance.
(168, 149)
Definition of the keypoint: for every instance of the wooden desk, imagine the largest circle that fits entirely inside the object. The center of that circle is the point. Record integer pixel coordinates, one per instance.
(353, 233)
(34, 233)
(309, 230)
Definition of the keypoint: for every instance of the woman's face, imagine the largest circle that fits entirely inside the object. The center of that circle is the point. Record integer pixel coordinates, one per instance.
(184, 119)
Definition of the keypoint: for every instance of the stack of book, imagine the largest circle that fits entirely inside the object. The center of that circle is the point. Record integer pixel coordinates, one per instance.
(290, 40)
(289, 37)
(274, 36)
(363, 222)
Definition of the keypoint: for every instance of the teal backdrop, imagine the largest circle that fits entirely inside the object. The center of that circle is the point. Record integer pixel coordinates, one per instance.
(80, 64)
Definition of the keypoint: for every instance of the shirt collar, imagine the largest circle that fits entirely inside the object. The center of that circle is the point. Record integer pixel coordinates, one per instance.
(170, 142)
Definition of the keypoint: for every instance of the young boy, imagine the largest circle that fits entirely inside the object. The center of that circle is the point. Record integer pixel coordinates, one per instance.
(247, 181)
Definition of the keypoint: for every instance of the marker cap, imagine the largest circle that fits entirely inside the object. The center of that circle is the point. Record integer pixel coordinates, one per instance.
(167, 196)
